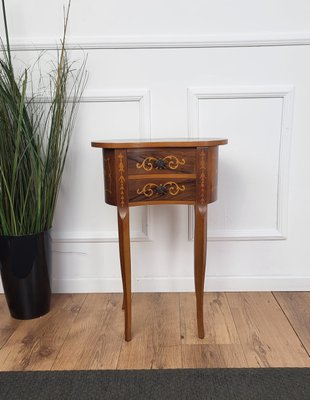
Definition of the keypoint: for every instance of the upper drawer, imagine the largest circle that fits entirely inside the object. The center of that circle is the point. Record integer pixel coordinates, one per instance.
(161, 161)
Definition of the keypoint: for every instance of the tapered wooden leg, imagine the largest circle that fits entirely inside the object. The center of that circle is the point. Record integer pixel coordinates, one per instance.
(124, 250)
(121, 256)
(200, 262)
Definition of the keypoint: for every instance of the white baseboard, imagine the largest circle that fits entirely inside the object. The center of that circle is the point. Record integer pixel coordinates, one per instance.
(164, 284)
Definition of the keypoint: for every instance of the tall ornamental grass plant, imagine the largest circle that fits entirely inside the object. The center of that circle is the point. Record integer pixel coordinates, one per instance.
(34, 137)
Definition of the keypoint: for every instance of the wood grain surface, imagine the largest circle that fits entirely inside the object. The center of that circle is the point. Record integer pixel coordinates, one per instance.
(265, 332)
(36, 343)
(86, 331)
(296, 306)
(156, 333)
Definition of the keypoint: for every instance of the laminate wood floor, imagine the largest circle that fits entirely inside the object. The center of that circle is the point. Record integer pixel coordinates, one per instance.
(85, 331)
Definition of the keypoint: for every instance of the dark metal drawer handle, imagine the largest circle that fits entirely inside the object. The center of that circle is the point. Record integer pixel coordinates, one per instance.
(160, 164)
(161, 189)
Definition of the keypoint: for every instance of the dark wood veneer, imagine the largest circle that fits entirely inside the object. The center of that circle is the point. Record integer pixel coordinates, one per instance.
(161, 161)
(162, 189)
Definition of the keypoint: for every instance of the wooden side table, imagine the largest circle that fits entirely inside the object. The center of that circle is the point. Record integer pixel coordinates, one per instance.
(149, 172)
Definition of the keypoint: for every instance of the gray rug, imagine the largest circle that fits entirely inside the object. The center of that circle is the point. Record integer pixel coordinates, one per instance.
(215, 384)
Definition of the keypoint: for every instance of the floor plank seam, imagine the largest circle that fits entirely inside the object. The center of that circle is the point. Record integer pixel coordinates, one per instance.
(69, 330)
(37, 338)
(296, 333)
(240, 341)
(5, 343)
(103, 324)
(181, 334)
(123, 339)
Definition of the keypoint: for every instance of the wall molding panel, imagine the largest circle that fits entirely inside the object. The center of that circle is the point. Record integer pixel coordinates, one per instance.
(164, 41)
(286, 93)
(105, 236)
(142, 96)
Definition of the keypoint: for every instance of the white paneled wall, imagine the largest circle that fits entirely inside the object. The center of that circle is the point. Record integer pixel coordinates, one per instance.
(234, 69)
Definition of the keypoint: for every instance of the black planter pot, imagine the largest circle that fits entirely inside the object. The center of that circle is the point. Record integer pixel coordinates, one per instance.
(24, 275)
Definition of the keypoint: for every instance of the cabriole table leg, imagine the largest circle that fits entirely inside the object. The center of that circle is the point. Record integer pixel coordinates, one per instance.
(200, 262)
(124, 250)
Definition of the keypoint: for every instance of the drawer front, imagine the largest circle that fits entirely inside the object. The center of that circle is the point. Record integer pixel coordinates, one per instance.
(161, 161)
(162, 190)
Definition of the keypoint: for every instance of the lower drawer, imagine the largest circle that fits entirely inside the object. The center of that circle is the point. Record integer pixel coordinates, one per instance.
(162, 190)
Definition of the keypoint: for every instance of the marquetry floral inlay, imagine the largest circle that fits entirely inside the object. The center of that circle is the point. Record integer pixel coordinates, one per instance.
(202, 175)
(108, 174)
(169, 187)
(121, 170)
(169, 162)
